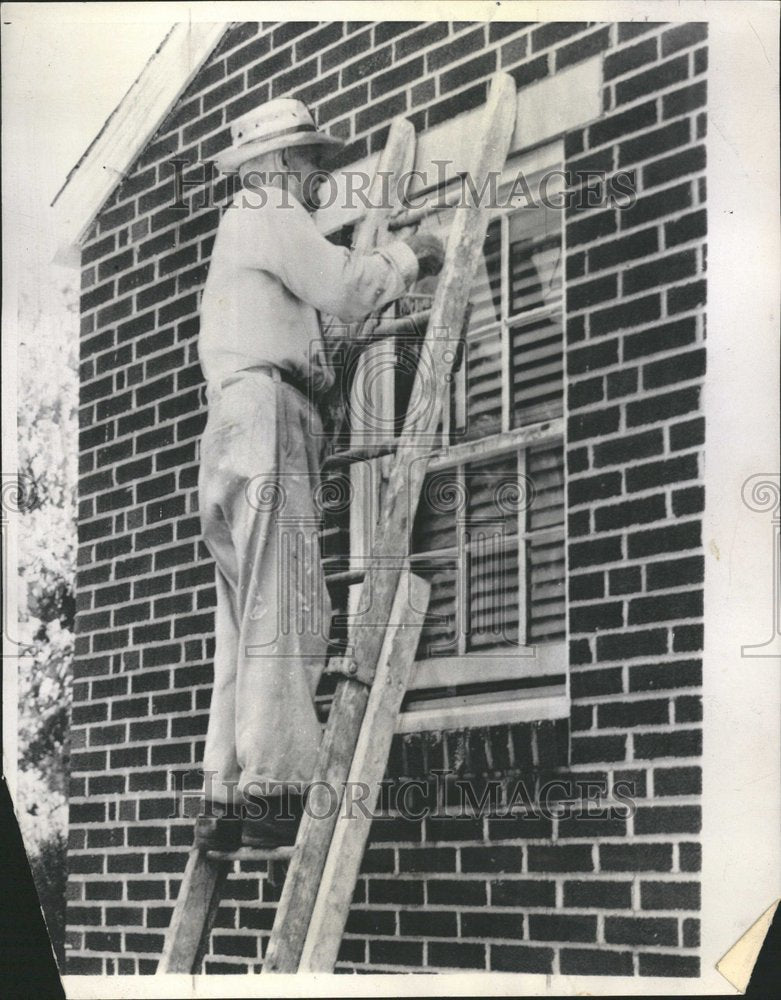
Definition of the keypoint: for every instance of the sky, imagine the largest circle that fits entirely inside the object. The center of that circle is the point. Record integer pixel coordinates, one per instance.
(62, 76)
(61, 79)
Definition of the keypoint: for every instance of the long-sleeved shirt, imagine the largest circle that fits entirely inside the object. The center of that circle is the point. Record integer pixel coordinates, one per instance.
(272, 273)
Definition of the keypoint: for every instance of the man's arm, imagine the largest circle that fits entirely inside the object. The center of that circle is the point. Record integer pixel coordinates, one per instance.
(281, 238)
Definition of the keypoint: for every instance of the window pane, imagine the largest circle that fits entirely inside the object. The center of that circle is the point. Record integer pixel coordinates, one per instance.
(493, 493)
(436, 528)
(545, 471)
(483, 358)
(545, 553)
(493, 591)
(545, 576)
(438, 637)
(483, 361)
(536, 345)
(486, 296)
(407, 354)
(537, 362)
(495, 500)
(476, 405)
(441, 503)
(534, 259)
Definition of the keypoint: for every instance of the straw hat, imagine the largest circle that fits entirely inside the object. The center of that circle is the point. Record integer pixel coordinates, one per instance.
(276, 124)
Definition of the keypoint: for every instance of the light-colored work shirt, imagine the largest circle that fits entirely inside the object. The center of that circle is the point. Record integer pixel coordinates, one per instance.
(272, 273)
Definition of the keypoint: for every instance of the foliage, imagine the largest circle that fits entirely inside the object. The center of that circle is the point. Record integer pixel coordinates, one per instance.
(47, 435)
(50, 874)
(44, 719)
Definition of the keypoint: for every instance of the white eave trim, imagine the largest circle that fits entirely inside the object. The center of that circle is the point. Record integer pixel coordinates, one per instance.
(130, 127)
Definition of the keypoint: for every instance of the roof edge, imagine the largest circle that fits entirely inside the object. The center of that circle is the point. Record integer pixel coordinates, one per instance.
(130, 126)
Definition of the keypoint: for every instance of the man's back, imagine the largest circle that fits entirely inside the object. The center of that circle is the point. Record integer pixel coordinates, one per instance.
(248, 315)
(272, 271)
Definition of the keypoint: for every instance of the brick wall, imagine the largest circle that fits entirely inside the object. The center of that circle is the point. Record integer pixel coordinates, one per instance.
(617, 896)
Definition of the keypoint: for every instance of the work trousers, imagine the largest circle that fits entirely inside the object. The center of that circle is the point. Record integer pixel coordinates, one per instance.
(260, 459)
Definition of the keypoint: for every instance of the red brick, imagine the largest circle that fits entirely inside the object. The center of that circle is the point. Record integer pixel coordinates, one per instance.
(395, 952)
(521, 958)
(147, 398)
(595, 962)
(562, 927)
(456, 955)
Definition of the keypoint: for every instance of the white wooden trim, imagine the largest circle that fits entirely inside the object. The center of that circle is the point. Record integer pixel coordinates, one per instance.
(498, 444)
(544, 111)
(523, 559)
(508, 542)
(129, 129)
(552, 704)
(543, 660)
(504, 334)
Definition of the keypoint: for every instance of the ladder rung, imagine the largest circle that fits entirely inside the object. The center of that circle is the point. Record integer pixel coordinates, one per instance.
(252, 854)
(359, 454)
(345, 576)
(411, 216)
(369, 336)
(411, 323)
(414, 215)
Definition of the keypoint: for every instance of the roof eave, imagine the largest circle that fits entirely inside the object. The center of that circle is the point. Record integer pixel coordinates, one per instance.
(129, 128)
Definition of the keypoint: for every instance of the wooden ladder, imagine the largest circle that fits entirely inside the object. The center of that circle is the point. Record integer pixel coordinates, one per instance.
(372, 679)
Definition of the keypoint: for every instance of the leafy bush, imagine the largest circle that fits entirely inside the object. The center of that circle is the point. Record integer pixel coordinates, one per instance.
(50, 874)
(47, 450)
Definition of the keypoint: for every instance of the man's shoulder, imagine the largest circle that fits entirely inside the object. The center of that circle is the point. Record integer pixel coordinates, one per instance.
(266, 198)
(262, 209)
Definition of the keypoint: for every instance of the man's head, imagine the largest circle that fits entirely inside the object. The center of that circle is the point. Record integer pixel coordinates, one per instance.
(299, 170)
(284, 127)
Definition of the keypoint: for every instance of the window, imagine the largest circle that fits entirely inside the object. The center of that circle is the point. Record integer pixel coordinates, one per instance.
(490, 526)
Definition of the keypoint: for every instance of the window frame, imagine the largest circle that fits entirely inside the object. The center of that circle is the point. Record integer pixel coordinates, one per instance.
(533, 664)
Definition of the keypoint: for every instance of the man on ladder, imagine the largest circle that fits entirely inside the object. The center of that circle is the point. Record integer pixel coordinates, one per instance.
(271, 275)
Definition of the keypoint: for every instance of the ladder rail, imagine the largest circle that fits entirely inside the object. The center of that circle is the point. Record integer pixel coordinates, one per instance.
(349, 702)
(464, 248)
(345, 854)
(325, 860)
(187, 937)
(206, 872)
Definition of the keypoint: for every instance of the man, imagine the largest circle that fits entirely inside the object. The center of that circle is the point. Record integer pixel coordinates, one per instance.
(271, 275)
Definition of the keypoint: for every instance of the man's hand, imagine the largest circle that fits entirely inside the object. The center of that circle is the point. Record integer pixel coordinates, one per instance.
(429, 251)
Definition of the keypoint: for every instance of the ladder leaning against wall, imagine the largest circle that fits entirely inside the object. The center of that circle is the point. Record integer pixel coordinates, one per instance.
(325, 861)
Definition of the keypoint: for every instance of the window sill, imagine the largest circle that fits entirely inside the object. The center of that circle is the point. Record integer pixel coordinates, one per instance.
(453, 710)
(544, 660)
(463, 713)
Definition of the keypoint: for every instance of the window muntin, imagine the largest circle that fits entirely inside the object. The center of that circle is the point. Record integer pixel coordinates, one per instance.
(495, 552)
(491, 532)
(491, 535)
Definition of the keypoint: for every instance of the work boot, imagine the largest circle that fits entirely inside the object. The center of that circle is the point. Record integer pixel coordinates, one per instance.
(218, 828)
(272, 821)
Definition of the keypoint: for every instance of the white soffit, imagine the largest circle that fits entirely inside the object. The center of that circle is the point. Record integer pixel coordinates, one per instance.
(130, 127)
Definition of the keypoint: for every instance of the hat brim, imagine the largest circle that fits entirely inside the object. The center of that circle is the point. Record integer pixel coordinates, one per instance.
(233, 158)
